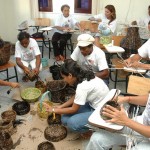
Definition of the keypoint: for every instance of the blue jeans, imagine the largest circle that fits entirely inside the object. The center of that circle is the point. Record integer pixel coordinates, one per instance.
(76, 122)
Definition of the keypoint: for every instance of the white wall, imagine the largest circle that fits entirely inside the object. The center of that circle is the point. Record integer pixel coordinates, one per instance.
(13, 12)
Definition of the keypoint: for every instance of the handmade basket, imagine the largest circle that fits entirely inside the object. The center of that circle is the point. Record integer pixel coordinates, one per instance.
(41, 86)
(41, 110)
(7, 126)
(57, 89)
(6, 142)
(21, 108)
(46, 146)
(9, 115)
(69, 92)
(54, 119)
(55, 132)
(30, 94)
(32, 76)
(111, 103)
(5, 53)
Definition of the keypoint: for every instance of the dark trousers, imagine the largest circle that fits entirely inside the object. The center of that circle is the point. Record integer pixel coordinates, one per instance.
(59, 42)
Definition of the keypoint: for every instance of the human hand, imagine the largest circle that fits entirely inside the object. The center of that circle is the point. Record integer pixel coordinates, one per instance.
(48, 107)
(26, 70)
(128, 62)
(135, 64)
(14, 84)
(36, 71)
(118, 116)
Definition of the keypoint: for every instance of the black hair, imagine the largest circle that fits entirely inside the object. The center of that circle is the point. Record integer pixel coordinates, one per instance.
(71, 67)
(148, 22)
(149, 7)
(63, 6)
(23, 35)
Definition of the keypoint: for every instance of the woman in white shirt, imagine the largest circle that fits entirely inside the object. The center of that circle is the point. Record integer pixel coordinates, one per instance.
(63, 24)
(27, 55)
(108, 20)
(90, 91)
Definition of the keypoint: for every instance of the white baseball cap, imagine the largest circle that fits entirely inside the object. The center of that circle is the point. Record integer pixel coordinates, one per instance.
(85, 40)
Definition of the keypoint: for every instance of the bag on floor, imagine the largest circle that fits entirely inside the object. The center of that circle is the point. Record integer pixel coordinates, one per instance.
(55, 70)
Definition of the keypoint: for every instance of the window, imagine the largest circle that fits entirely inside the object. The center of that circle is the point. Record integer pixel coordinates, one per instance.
(82, 6)
(45, 5)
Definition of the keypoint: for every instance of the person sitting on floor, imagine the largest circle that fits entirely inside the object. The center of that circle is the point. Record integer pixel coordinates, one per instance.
(27, 55)
(91, 57)
(63, 24)
(90, 91)
(140, 128)
(6, 83)
(143, 53)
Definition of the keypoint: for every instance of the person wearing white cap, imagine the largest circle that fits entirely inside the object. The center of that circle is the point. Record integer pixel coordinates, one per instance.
(90, 57)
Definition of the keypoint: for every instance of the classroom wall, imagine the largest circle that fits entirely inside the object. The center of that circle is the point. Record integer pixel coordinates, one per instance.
(13, 12)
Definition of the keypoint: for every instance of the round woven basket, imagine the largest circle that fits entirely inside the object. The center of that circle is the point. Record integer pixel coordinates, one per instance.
(5, 53)
(6, 142)
(55, 132)
(46, 146)
(31, 94)
(111, 103)
(21, 108)
(41, 86)
(9, 115)
(57, 89)
(52, 120)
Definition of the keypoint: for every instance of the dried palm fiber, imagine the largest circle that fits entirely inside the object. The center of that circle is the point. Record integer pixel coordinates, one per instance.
(57, 89)
(131, 42)
(4, 53)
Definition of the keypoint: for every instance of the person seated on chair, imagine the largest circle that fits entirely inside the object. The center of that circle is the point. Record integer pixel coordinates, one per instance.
(27, 55)
(107, 20)
(63, 24)
(6, 83)
(91, 57)
(143, 53)
(140, 128)
(90, 91)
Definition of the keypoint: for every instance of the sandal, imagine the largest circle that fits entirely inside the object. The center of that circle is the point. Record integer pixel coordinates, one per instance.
(25, 79)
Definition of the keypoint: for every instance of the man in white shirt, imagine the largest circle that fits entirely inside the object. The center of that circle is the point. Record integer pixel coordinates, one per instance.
(63, 24)
(27, 54)
(90, 57)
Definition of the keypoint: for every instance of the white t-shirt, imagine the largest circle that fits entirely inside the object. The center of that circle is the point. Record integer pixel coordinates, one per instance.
(62, 21)
(111, 25)
(146, 113)
(144, 50)
(96, 61)
(29, 53)
(92, 91)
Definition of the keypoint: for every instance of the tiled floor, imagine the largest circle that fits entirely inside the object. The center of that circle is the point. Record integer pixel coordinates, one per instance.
(46, 74)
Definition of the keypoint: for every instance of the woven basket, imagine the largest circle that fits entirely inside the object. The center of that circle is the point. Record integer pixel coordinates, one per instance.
(57, 89)
(55, 132)
(41, 110)
(6, 142)
(5, 53)
(46, 146)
